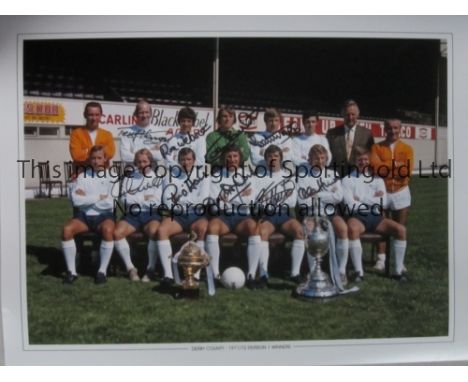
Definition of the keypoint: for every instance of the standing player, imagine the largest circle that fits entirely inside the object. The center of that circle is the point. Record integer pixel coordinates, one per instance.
(344, 139)
(276, 196)
(92, 195)
(224, 136)
(82, 139)
(182, 194)
(184, 138)
(141, 194)
(393, 160)
(318, 193)
(140, 135)
(364, 195)
(233, 193)
(304, 142)
(272, 135)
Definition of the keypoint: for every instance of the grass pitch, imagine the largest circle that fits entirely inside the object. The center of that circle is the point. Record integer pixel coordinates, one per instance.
(121, 312)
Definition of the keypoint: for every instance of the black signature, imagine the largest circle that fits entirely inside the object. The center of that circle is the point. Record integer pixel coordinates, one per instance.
(276, 193)
(189, 138)
(171, 192)
(247, 120)
(192, 184)
(267, 141)
(309, 192)
(229, 192)
(133, 186)
(185, 140)
(147, 136)
(293, 128)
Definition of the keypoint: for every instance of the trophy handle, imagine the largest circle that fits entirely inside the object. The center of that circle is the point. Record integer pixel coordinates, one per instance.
(193, 236)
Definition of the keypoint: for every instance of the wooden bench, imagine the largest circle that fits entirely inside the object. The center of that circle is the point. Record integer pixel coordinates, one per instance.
(233, 247)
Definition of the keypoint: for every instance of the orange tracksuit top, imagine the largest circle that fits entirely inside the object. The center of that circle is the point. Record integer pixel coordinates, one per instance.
(396, 167)
(80, 144)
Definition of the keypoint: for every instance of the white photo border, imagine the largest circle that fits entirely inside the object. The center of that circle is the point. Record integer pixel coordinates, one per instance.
(13, 289)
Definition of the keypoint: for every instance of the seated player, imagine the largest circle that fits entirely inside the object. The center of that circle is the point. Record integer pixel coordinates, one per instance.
(232, 193)
(141, 195)
(184, 138)
(225, 135)
(304, 142)
(184, 191)
(318, 193)
(92, 197)
(364, 195)
(272, 135)
(393, 160)
(276, 197)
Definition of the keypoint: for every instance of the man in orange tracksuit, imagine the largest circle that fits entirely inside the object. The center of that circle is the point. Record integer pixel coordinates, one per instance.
(393, 160)
(82, 139)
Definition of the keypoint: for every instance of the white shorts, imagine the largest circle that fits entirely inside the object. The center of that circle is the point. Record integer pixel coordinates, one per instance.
(398, 200)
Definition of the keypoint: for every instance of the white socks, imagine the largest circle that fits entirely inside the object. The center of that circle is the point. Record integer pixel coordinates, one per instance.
(399, 248)
(69, 252)
(253, 254)
(123, 249)
(212, 248)
(264, 256)
(152, 254)
(105, 254)
(297, 253)
(342, 249)
(201, 244)
(355, 250)
(165, 254)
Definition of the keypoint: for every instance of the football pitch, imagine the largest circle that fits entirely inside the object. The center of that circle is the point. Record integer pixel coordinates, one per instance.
(122, 312)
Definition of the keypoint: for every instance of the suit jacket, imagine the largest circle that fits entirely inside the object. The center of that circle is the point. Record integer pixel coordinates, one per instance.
(337, 141)
(80, 144)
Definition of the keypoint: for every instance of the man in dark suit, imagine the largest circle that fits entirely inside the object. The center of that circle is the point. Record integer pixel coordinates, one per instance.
(344, 139)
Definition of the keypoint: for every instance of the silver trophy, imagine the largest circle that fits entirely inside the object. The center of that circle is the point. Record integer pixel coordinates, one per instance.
(318, 284)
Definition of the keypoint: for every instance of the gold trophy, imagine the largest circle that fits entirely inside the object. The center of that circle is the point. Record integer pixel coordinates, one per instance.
(191, 258)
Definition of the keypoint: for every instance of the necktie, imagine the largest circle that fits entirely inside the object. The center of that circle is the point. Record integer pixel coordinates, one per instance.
(349, 144)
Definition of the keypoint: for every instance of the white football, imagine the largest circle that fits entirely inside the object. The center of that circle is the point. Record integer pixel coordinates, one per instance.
(233, 278)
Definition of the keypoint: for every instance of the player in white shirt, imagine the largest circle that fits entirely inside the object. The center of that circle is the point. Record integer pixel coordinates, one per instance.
(276, 197)
(140, 135)
(301, 144)
(92, 195)
(185, 193)
(365, 195)
(232, 193)
(318, 193)
(141, 195)
(259, 142)
(185, 138)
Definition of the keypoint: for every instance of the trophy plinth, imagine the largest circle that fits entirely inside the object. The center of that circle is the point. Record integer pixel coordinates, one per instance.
(318, 284)
(191, 260)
